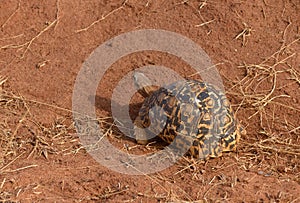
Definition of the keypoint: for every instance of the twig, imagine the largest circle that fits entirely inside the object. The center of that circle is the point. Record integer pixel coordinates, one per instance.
(103, 17)
(19, 169)
(113, 193)
(12, 161)
(205, 23)
(280, 50)
(17, 9)
(202, 4)
(278, 150)
(2, 184)
(13, 37)
(57, 13)
(246, 32)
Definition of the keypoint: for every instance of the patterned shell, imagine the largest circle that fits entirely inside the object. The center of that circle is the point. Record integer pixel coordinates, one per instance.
(189, 114)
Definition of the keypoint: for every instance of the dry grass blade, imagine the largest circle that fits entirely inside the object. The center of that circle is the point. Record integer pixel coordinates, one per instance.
(205, 23)
(2, 80)
(111, 192)
(246, 32)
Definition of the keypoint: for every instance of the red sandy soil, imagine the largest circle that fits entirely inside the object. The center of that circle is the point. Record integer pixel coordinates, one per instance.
(43, 45)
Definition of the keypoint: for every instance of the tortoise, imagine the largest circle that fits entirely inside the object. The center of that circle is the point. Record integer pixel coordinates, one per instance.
(197, 111)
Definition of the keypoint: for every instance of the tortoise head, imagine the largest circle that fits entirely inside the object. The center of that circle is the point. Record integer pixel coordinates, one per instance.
(143, 84)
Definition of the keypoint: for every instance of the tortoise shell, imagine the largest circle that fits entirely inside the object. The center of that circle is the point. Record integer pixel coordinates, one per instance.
(187, 113)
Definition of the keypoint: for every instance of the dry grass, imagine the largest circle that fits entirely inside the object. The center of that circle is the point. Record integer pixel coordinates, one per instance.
(274, 143)
(26, 46)
(22, 136)
(22, 133)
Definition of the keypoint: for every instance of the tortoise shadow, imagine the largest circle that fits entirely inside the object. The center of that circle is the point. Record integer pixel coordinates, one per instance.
(105, 104)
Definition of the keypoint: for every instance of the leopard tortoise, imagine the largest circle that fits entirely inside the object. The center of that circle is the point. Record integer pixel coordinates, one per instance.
(197, 111)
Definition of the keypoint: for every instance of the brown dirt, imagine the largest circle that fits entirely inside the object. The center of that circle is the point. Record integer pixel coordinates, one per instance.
(42, 47)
